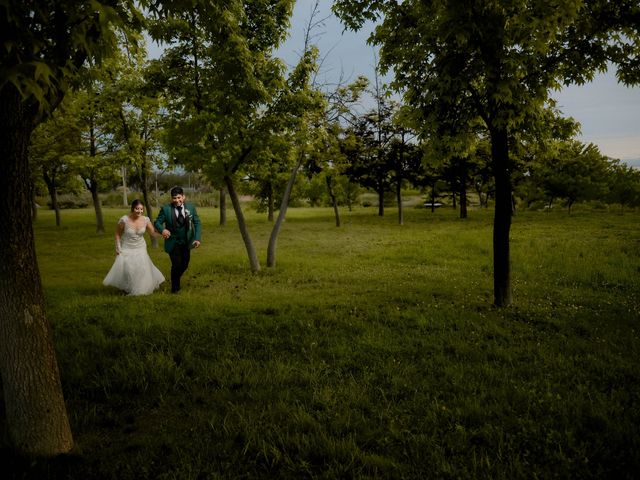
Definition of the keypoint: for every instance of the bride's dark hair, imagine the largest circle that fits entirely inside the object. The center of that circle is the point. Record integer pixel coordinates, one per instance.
(135, 203)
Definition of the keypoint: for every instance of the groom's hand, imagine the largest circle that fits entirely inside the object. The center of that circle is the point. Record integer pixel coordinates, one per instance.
(196, 243)
(166, 233)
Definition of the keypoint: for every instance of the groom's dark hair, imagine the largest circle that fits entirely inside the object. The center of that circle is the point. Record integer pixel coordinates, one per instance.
(176, 191)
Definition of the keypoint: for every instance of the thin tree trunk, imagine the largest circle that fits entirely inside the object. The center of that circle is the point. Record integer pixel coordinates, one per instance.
(433, 199)
(97, 207)
(144, 180)
(91, 181)
(381, 202)
(273, 239)
(254, 263)
(334, 200)
(36, 414)
(480, 199)
(399, 201)
(223, 207)
(463, 190)
(502, 218)
(53, 195)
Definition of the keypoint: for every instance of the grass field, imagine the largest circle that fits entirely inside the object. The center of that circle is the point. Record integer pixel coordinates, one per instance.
(370, 351)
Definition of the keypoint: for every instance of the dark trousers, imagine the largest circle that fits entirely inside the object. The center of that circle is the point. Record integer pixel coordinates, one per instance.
(180, 256)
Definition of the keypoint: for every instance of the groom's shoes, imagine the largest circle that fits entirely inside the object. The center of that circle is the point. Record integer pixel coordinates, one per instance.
(175, 289)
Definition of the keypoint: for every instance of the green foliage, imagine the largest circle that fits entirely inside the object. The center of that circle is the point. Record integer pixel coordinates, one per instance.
(573, 172)
(46, 47)
(371, 352)
(624, 184)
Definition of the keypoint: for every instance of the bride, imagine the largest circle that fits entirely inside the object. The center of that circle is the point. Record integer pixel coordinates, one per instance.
(133, 271)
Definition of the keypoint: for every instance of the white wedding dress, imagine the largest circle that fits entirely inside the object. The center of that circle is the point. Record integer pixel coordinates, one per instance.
(133, 271)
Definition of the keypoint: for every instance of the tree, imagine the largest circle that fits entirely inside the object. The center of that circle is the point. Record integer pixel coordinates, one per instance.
(574, 172)
(137, 119)
(96, 162)
(220, 78)
(298, 112)
(497, 61)
(330, 159)
(623, 184)
(44, 49)
(53, 143)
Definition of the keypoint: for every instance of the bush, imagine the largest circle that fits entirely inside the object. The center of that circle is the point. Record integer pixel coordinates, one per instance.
(68, 201)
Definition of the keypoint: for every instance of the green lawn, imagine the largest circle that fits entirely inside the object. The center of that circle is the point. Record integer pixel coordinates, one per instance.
(371, 351)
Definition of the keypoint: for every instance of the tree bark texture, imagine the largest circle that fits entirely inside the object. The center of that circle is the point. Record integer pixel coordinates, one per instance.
(36, 415)
(254, 263)
(502, 218)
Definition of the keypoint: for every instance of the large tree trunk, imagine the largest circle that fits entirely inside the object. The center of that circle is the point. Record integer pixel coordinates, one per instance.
(273, 239)
(36, 414)
(502, 218)
(242, 224)
(334, 200)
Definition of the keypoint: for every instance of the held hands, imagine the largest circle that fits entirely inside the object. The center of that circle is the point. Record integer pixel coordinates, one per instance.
(166, 234)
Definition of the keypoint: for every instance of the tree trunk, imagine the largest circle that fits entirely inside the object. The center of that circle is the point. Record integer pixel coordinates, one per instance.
(144, 180)
(502, 218)
(334, 200)
(242, 224)
(97, 206)
(53, 195)
(273, 239)
(223, 207)
(36, 415)
(399, 201)
(433, 199)
(91, 181)
(463, 191)
(381, 202)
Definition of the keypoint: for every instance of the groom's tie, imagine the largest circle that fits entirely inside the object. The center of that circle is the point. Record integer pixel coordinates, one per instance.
(180, 216)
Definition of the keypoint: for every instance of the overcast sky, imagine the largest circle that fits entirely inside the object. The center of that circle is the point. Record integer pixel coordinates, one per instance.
(608, 112)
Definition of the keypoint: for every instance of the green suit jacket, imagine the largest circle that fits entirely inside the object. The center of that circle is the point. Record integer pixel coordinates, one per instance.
(179, 236)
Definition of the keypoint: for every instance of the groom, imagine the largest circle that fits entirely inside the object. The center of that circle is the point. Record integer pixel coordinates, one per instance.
(180, 227)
